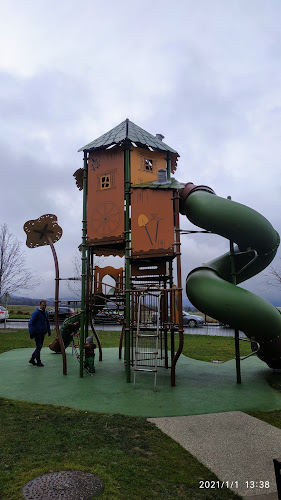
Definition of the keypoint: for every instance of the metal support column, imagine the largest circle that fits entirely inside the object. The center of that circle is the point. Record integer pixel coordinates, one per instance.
(84, 259)
(87, 285)
(127, 181)
(168, 165)
(59, 337)
(179, 285)
(236, 332)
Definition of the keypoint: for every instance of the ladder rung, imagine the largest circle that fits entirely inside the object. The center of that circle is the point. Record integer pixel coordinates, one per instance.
(147, 326)
(144, 357)
(148, 335)
(146, 352)
(144, 370)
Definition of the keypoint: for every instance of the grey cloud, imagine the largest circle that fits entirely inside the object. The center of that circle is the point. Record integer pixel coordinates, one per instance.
(48, 97)
(207, 77)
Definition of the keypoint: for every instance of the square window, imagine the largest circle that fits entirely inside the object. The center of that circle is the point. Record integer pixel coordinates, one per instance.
(105, 182)
(148, 164)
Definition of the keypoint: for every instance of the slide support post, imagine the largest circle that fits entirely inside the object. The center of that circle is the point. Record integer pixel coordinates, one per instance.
(236, 332)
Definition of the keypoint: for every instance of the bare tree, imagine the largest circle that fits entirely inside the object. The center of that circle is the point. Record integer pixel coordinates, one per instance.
(74, 284)
(14, 275)
(273, 276)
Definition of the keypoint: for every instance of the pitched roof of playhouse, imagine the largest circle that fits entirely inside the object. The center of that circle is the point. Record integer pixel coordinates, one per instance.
(128, 130)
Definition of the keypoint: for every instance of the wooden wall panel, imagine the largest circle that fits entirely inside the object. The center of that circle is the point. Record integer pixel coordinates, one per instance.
(152, 221)
(139, 172)
(105, 195)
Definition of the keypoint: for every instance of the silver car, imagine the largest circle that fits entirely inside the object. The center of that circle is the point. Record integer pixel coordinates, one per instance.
(192, 319)
(3, 313)
(188, 319)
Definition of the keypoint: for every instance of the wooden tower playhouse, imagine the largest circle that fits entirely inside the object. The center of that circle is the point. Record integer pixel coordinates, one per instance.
(131, 209)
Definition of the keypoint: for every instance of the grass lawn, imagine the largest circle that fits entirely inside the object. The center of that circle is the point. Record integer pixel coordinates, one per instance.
(208, 348)
(23, 311)
(20, 311)
(270, 417)
(202, 347)
(133, 458)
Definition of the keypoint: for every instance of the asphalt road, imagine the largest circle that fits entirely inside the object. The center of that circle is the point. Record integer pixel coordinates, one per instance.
(213, 330)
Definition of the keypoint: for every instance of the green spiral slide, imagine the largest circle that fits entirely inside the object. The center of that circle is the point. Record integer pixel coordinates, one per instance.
(212, 287)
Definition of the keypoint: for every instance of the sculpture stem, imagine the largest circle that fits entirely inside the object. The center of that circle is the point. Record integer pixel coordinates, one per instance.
(64, 370)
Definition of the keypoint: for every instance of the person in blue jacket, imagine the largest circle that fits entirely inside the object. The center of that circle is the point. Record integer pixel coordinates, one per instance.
(38, 326)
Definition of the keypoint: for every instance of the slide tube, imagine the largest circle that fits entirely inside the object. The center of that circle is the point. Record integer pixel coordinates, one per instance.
(69, 327)
(210, 287)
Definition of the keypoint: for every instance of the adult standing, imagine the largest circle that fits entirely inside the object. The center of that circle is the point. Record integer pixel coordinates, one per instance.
(38, 326)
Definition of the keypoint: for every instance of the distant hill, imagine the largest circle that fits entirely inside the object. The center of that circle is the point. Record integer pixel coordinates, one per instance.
(27, 301)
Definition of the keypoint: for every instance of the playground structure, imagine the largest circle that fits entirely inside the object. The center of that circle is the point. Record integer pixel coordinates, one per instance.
(131, 208)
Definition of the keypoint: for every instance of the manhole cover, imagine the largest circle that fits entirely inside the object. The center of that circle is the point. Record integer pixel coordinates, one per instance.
(63, 485)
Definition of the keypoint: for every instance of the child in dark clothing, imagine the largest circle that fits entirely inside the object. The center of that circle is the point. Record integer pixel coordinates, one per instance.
(90, 354)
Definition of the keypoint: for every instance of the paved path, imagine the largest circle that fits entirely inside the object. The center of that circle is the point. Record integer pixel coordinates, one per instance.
(238, 448)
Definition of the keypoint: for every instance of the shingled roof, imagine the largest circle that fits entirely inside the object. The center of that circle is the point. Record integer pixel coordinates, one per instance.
(127, 130)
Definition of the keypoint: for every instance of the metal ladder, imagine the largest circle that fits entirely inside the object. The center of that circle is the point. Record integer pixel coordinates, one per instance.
(147, 341)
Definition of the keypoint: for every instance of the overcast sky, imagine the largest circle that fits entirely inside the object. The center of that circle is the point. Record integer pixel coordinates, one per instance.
(206, 74)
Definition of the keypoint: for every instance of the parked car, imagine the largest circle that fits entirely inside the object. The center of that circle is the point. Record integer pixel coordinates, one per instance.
(3, 313)
(109, 306)
(64, 313)
(108, 316)
(188, 319)
(192, 319)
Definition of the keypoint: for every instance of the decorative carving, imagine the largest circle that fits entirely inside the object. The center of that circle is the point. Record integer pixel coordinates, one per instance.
(110, 176)
(116, 274)
(148, 162)
(95, 164)
(79, 178)
(106, 219)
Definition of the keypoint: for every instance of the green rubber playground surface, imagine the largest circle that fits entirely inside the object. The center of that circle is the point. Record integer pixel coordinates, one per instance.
(201, 387)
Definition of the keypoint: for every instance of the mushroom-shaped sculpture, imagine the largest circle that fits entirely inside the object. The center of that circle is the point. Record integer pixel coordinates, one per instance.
(46, 231)
(42, 231)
